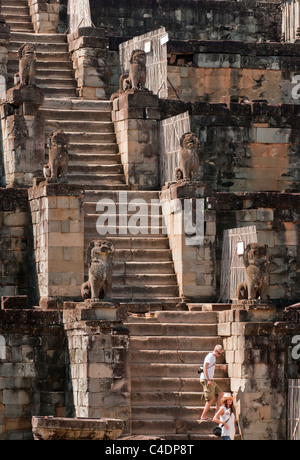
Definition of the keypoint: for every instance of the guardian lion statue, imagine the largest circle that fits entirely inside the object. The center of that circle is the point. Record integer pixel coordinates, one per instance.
(257, 276)
(189, 168)
(136, 78)
(27, 65)
(57, 168)
(99, 258)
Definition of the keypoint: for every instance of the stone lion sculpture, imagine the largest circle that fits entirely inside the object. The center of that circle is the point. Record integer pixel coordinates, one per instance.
(57, 168)
(27, 65)
(257, 277)
(99, 258)
(136, 78)
(189, 168)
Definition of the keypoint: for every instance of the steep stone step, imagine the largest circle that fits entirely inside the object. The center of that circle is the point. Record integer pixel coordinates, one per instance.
(20, 38)
(168, 356)
(79, 126)
(99, 148)
(96, 179)
(145, 292)
(146, 279)
(143, 243)
(95, 170)
(76, 115)
(174, 343)
(173, 384)
(172, 329)
(187, 317)
(93, 159)
(174, 428)
(168, 370)
(124, 197)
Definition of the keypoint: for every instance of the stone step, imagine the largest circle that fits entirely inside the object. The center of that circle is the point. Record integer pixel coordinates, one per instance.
(59, 92)
(168, 413)
(168, 398)
(141, 243)
(186, 317)
(79, 126)
(168, 356)
(170, 384)
(116, 196)
(96, 230)
(95, 170)
(137, 224)
(40, 46)
(21, 38)
(20, 26)
(174, 427)
(96, 179)
(77, 104)
(144, 268)
(90, 138)
(13, 10)
(173, 329)
(142, 293)
(168, 370)
(145, 279)
(50, 83)
(175, 343)
(17, 18)
(103, 148)
(76, 115)
(42, 56)
(93, 159)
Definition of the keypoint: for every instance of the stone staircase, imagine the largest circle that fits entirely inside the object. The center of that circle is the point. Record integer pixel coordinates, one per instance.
(16, 13)
(143, 263)
(167, 347)
(166, 351)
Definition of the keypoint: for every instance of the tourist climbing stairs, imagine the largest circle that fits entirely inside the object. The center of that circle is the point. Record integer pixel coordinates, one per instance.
(166, 351)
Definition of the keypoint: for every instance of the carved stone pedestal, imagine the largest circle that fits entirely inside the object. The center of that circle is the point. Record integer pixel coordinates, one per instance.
(192, 235)
(136, 118)
(23, 129)
(98, 352)
(58, 232)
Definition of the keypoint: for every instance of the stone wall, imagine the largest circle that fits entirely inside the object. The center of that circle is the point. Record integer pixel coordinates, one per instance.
(200, 19)
(245, 146)
(33, 370)
(15, 242)
(214, 71)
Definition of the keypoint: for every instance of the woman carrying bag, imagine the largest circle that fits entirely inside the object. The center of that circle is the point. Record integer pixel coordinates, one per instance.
(225, 418)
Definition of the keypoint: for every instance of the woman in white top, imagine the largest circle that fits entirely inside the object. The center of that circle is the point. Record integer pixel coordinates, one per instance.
(225, 417)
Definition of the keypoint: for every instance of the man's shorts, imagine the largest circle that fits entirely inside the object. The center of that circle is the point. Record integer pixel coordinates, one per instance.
(210, 391)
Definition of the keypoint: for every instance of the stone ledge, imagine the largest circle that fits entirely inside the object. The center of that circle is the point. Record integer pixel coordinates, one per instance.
(55, 428)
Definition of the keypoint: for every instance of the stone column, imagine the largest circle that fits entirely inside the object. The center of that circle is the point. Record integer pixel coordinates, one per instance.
(58, 233)
(98, 352)
(89, 47)
(136, 117)
(23, 131)
(192, 234)
(45, 15)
